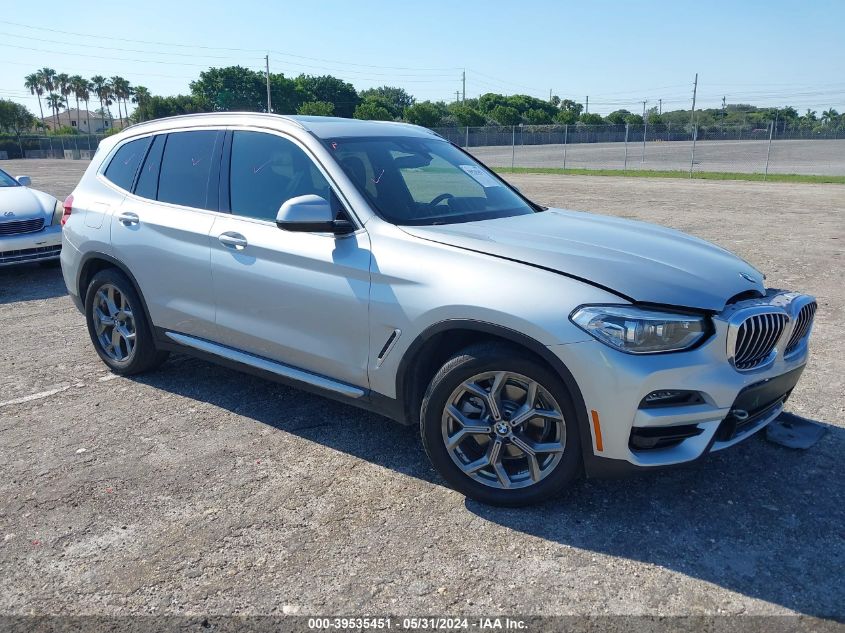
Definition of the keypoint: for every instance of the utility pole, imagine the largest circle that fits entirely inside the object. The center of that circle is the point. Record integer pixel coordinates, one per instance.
(645, 130)
(464, 86)
(457, 96)
(587, 111)
(692, 121)
(660, 106)
(550, 95)
(267, 64)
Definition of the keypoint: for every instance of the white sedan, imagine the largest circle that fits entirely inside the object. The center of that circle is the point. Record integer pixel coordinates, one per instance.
(30, 223)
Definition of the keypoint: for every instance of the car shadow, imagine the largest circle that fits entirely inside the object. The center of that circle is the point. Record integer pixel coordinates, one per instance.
(757, 519)
(30, 282)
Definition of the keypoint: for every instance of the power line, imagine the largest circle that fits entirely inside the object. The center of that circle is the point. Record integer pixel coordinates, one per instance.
(219, 48)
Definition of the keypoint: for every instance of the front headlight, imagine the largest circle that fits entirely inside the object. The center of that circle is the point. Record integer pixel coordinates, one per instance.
(640, 331)
(58, 211)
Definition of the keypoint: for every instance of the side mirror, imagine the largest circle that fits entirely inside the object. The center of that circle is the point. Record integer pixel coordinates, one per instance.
(25, 181)
(310, 214)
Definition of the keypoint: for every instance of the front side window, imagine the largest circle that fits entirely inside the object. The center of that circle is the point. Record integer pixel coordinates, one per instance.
(421, 181)
(124, 164)
(267, 170)
(186, 169)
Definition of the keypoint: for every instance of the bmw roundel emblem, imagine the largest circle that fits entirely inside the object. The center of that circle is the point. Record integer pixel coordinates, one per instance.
(747, 277)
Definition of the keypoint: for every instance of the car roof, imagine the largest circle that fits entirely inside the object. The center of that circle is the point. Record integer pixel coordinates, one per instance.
(322, 127)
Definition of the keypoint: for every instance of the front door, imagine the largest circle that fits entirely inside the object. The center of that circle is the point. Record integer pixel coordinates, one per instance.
(297, 298)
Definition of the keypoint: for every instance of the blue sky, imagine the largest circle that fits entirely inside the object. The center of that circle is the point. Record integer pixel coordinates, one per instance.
(618, 53)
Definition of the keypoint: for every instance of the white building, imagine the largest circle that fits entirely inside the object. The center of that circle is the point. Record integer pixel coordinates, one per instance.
(72, 117)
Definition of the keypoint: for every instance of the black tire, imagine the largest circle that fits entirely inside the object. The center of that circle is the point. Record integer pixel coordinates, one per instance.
(144, 356)
(492, 357)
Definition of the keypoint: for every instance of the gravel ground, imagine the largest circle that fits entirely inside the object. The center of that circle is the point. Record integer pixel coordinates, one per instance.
(824, 157)
(199, 490)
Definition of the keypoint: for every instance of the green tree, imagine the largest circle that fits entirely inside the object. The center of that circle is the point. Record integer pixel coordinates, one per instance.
(505, 115)
(566, 117)
(373, 109)
(316, 108)
(15, 118)
(233, 88)
(63, 86)
(467, 116)
(617, 117)
(568, 105)
(425, 113)
(156, 107)
(537, 117)
(394, 99)
(331, 90)
(591, 119)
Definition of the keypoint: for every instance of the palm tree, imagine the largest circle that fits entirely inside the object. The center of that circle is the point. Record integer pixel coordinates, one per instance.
(84, 93)
(77, 85)
(140, 96)
(62, 82)
(829, 116)
(56, 102)
(121, 90)
(33, 83)
(47, 77)
(99, 86)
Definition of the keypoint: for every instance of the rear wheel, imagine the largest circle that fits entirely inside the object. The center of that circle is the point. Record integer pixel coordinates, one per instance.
(499, 426)
(118, 326)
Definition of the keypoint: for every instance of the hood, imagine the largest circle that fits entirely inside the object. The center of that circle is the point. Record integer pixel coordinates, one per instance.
(641, 262)
(25, 204)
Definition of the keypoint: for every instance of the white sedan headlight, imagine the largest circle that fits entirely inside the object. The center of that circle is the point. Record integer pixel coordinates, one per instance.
(640, 331)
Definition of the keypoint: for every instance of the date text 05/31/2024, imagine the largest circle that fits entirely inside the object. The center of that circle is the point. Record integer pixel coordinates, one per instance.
(416, 624)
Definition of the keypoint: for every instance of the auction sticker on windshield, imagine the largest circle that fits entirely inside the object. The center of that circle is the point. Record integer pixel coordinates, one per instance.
(480, 176)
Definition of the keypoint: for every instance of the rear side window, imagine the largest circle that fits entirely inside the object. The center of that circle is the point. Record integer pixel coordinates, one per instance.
(147, 186)
(124, 164)
(266, 170)
(186, 169)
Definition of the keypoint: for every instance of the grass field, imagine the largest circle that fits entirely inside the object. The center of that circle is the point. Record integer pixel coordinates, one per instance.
(655, 173)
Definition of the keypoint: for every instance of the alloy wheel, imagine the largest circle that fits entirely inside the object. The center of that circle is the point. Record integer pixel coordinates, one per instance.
(503, 430)
(114, 322)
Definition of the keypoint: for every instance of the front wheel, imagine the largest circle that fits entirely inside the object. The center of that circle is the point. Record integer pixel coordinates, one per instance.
(500, 427)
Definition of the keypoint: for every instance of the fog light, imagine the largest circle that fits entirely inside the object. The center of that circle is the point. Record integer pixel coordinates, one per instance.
(671, 397)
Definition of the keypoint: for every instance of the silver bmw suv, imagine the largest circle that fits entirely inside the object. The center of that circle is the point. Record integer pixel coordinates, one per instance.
(377, 264)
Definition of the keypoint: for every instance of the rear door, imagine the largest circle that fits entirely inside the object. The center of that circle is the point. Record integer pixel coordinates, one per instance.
(297, 298)
(161, 231)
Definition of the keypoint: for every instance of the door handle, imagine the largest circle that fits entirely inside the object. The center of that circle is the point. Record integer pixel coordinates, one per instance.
(128, 218)
(236, 241)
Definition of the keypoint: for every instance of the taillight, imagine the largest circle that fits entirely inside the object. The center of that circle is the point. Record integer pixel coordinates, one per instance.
(68, 207)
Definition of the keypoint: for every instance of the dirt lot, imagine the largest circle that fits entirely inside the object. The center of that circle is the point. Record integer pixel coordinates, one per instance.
(200, 490)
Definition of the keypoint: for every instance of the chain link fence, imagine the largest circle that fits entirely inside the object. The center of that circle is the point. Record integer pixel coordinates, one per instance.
(773, 148)
(71, 146)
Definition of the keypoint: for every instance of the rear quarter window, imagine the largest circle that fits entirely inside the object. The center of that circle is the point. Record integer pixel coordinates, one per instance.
(124, 164)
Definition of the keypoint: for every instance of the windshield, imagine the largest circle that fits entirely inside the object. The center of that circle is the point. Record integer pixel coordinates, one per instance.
(7, 181)
(420, 181)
